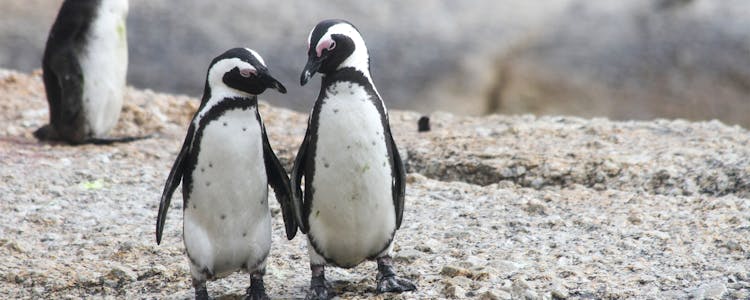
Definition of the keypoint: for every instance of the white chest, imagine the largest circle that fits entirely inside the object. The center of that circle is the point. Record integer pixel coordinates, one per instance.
(104, 64)
(352, 213)
(227, 221)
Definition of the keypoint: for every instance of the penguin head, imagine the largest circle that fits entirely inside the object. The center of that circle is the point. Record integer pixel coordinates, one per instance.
(332, 45)
(242, 71)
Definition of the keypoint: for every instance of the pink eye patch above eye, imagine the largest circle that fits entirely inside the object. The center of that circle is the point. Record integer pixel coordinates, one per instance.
(325, 44)
(245, 72)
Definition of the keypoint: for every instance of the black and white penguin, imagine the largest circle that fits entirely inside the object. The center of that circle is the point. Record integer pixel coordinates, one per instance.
(353, 175)
(225, 165)
(84, 66)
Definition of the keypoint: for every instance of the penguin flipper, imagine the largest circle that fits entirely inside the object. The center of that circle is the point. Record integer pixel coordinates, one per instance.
(279, 181)
(399, 181)
(296, 182)
(174, 179)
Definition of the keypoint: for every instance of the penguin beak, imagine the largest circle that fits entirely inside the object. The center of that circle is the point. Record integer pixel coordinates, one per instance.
(312, 66)
(271, 82)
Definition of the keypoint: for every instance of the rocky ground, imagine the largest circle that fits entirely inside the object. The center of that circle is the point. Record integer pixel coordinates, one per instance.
(499, 207)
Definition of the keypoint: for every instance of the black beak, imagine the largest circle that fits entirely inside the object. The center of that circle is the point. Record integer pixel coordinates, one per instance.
(271, 82)
(312, 66)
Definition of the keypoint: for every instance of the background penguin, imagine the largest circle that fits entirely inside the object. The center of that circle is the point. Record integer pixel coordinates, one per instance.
(354, 178)
(226, 165)
(85, 63)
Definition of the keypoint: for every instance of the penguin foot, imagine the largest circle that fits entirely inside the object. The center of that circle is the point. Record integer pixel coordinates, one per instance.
(46, 133)
(257, 290)
(388, 282)
(394, 284)
(201, 293)
(320, 289)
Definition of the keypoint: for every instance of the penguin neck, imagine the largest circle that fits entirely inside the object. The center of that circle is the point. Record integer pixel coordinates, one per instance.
(358, 75)
(359, 59)
(358, 78)
(213, 96)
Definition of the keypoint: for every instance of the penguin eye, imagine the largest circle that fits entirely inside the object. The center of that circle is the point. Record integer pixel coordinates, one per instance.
(246, 72)
(332, 45)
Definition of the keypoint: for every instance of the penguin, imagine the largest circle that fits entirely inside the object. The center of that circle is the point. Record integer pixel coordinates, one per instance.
(84, 66)
(353, 201)
(226, 165)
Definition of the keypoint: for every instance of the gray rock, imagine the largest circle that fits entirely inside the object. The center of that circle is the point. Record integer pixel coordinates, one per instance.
(633, 59)
(453, 271)
(119, 276)
(558, 291)
(408, 255)
(713, 290)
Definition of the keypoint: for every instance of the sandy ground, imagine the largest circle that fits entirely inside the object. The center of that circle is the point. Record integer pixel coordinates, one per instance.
(498, 207)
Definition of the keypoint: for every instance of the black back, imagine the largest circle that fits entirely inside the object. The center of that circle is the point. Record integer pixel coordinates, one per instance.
(63, 77)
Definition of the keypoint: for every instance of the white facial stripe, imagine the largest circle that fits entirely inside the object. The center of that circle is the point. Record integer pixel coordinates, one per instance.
(359, 58)
(219, 90)
(257, 56)
(216, 75)
(309, 36)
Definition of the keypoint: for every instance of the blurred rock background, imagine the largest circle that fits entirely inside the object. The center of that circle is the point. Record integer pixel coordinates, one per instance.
(637, 59)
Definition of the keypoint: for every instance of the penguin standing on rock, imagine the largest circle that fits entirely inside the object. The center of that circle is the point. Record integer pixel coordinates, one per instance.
(225, 165)
(85, 62)
(353, 201)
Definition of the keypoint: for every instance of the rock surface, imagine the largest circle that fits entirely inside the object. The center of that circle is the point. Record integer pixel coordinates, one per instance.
(500, 207)
(637, 59)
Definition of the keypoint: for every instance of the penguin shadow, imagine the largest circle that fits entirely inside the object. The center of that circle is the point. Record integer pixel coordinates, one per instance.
(348, 289)
(342, 289)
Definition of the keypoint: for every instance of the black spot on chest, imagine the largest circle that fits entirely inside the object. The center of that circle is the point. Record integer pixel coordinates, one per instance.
(214, 113)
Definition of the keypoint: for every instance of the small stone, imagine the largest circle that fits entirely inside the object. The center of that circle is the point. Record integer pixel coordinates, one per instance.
(453, 291)
(408, 255)
(530, 295)
(659, 234)
(558, 291)
(118, 276)
(535, 206)
(503, 295)
(635, 219)
(644, 279)
(715, 290)
(424, 248)
(453, 271)
(153, 271)
(17, 246)
(733, 246)
(38, 291)
(489, 295)
(520, 288)
(506, 268)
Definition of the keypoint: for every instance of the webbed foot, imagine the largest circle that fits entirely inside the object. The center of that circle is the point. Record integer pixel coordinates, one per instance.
(257, 290)
(388, 282)
(320, 288)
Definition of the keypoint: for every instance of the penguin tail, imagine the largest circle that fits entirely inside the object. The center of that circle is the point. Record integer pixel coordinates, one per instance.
(110, 141)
